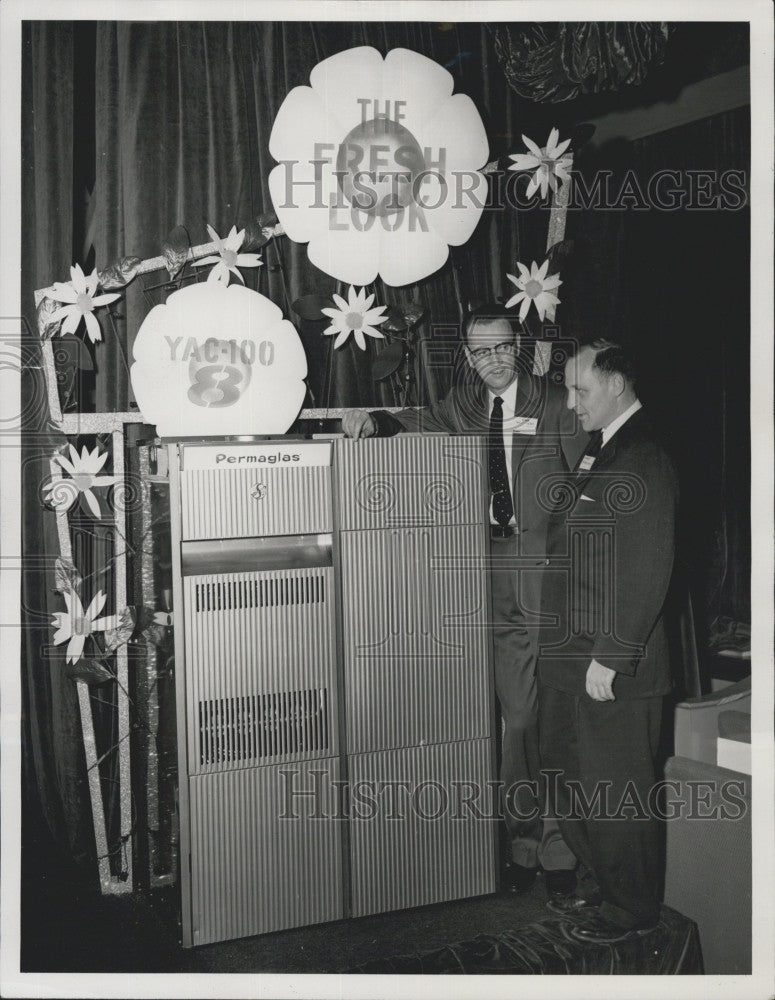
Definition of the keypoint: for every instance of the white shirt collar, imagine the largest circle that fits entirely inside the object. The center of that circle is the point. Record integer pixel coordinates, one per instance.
(509, 397)
(613, 427)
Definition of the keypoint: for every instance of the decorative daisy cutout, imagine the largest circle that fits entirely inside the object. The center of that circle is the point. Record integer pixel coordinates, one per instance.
(548, 162)
(80, 298)
(354, 316)
(537, 287)
(229, 258)
(75, 625)
(379, 166)
(83, 468)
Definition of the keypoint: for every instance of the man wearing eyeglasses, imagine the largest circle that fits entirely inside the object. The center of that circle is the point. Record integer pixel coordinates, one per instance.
(531, 434)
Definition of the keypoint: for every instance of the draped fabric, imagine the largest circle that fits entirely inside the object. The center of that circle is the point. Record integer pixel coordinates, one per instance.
(52, 751)
(182, 121)
(557, 62)
(130, 130)
(673, 283)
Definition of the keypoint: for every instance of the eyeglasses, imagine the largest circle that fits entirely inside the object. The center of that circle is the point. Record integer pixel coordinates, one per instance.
(481, 353)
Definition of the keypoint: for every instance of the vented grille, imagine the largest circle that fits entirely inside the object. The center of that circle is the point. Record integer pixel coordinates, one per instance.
(262, 727)
(266, 592)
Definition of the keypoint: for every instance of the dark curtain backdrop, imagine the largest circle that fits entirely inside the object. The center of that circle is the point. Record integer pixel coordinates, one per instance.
(674, 285)
(132, 129)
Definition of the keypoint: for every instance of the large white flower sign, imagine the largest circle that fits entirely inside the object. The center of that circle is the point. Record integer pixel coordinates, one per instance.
(218, 359)
(379, 166)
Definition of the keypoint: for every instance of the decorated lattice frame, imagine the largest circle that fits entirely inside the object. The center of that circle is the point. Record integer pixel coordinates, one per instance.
(74, 425)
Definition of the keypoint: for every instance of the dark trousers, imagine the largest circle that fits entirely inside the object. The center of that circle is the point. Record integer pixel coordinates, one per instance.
(608, 746)
(531, 841)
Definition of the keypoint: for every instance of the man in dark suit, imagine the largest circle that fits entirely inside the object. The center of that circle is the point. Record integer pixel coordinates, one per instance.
(531, 435)
(603, 666)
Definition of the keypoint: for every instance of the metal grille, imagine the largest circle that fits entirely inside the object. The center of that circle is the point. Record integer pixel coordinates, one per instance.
(248, 503)
(267, 592)
(263, 726)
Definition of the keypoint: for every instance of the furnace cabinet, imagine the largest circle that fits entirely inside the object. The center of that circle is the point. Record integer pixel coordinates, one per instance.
(334, 689)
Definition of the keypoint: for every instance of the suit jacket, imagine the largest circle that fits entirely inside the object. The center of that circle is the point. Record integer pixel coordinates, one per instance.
(551, 450)
(611, 544)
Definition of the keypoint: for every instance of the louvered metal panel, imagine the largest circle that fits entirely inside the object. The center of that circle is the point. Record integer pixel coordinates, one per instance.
(261, 684)
(235, 503)
(253, 871)
(414, 637)
(432, 835)
(410, 481)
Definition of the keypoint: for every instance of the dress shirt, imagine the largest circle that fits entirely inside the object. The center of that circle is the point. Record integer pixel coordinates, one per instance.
(613, 427)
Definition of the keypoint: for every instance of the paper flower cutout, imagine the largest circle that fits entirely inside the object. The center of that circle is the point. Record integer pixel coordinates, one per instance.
(220, 358)
(548, 162)
(83, 468)
(379, 166)
(80, 298)
(75, 625)
(229, 258)
(536, 287)
(354, 316)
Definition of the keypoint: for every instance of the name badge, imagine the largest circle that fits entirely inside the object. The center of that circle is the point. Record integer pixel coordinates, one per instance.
(586, 463)
(526, 425)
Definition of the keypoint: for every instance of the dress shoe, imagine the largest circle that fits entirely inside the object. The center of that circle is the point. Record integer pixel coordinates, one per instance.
(574, 906)
(559, 884)
(518, 878)
(597, 930)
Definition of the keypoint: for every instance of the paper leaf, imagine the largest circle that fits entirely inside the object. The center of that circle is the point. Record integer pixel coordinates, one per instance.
(115, 637)
(309, 307)
(119, 273)
(90, 671)
(157, 635)
(558, 254)
(46, 308)
(175, 250)
(67, 579)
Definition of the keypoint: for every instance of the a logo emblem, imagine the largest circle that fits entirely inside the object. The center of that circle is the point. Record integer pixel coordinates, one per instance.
(259, 491)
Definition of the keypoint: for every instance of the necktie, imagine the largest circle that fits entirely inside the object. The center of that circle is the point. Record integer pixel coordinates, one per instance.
(502, 506)
(592, 450)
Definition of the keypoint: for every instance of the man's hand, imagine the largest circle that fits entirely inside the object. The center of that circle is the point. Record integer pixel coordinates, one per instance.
(358, 424)
(600, 682)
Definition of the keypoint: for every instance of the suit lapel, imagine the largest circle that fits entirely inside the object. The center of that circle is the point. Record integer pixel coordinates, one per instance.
(528, 404)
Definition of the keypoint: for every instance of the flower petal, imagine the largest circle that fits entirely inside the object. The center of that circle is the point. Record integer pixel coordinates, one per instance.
(359, 340)
(371, 332)
(342, 79)
(553, 281)
(96, 605)
(72, 321)
(560, 149)
(78, 279)
(524, 308)
(533, 184)
(523, 161)
(92, 503)
(423, 85)
(341, 338)
(92, 327)
(105, 299)
(456, 127)
(348, 254)
(212, 259)
(343, 304)
(249, 260)
(524, 272)
(534, 148)
(542, 270)
(62, 292)
(75, 648)
(514, 299)
(554, 135)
